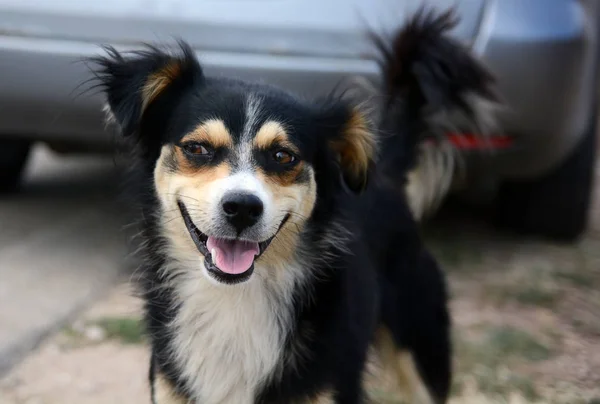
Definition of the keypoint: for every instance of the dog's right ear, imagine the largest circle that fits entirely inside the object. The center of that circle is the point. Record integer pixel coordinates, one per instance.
(134, 81)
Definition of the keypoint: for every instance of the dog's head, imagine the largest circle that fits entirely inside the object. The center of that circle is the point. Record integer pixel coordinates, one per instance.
(238, 168)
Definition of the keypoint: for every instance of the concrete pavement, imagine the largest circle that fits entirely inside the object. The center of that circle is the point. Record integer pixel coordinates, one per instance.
(62, 243)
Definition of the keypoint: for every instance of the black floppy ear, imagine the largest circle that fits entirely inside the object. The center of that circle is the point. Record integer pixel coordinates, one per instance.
(133, 81)
(353, 143)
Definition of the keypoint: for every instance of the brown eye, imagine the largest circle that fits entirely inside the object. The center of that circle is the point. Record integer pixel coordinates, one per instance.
(196, 149)
(283, 157)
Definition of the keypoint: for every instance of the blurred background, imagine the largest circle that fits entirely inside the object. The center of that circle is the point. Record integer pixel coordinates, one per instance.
(519, 233)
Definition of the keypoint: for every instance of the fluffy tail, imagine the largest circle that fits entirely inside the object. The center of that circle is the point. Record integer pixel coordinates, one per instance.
(431, 85)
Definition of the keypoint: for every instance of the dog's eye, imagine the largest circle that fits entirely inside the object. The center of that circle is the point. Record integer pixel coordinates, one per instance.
(196, 149)
(284, 157)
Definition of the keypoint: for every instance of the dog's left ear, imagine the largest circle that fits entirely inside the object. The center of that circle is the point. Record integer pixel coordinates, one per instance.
(353, 142)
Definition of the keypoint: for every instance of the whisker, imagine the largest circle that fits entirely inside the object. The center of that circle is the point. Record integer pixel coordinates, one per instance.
(184, 196)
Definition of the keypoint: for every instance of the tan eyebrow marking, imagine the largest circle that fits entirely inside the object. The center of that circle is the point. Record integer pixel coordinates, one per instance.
(271, 133)
(213, 132)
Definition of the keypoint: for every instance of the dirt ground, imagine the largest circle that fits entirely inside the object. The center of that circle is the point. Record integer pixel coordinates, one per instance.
(526, 316)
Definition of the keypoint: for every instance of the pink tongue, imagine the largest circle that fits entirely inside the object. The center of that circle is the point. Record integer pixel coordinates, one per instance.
(232, 256)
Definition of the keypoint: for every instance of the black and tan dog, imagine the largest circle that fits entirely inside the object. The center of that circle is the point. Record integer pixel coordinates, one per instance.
(278, 247)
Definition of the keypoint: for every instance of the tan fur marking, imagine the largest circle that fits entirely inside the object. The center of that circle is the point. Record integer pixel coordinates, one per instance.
(284, 245)
(202, 174)
(161, 171)
(283, 179)
(158, 81)
(213, 132)
(164, 393)
(401, 366)
(428, 183)
(191, 183)
(356, 147)
(326, 397)
(273, 133)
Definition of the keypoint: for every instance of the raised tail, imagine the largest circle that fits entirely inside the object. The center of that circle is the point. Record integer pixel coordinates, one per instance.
(431, 85)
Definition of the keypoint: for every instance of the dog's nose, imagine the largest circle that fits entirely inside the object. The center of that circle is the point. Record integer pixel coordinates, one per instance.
(242, 210)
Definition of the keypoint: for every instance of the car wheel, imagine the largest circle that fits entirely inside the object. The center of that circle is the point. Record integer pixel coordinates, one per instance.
(13, 158)
(556, 205)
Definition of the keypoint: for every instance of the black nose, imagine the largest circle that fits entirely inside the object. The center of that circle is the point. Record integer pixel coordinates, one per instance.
(242, 210)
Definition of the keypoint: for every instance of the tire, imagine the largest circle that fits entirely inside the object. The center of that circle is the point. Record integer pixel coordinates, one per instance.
(556, 205)
(13, 159)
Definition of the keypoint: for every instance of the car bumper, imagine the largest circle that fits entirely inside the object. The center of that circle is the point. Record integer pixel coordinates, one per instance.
(546, 74)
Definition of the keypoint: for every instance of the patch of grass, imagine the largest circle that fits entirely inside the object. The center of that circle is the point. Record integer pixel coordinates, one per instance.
(494, 385)
(487, 361)
(578, 279)
(586, 327)
(127, 330)
(531, 293)
(527, 388)
(508, 341)
(553, 336)
(71, 333)
(537, 296)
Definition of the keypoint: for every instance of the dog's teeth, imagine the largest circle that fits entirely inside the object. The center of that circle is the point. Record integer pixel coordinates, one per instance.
(213, 253)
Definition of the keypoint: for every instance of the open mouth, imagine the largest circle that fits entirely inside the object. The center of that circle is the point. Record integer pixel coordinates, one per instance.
(228, 260)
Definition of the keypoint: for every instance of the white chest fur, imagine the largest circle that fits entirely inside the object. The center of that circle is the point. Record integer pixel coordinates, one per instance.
(228, 339)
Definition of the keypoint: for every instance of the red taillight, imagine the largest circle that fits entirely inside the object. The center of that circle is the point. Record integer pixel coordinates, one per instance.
(471, 141)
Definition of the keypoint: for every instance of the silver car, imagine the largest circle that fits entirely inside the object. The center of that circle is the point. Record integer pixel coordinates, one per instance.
(544, 54)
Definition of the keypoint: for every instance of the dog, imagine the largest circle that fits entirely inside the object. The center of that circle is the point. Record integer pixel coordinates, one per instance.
(279, 248)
